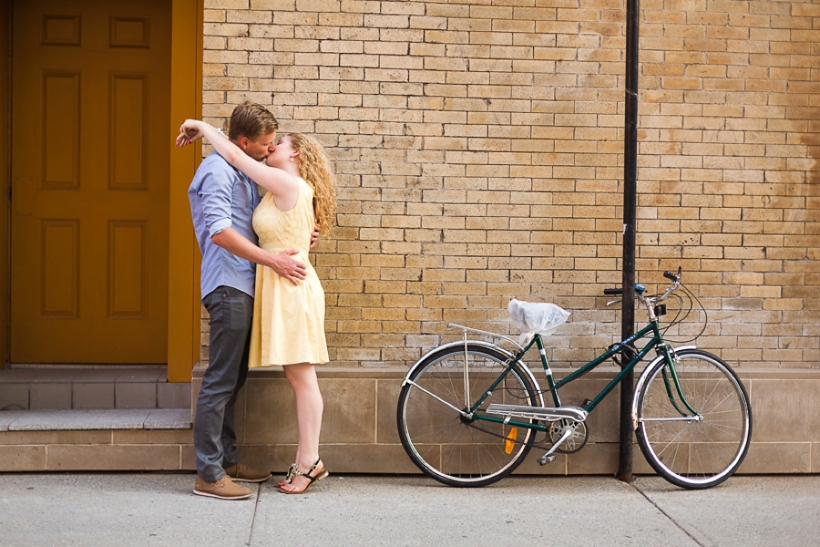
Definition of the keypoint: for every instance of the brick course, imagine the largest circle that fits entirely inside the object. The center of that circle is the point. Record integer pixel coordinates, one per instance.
(479, 150)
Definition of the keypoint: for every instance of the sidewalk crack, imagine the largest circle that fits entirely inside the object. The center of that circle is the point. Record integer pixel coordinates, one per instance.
(667, 515)
(253, 515)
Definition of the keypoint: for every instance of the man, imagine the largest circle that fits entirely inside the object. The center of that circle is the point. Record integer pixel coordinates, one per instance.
(222, 203)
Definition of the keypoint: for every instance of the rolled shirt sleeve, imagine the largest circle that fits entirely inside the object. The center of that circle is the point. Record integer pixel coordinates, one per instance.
(221, 197)
(216, 204)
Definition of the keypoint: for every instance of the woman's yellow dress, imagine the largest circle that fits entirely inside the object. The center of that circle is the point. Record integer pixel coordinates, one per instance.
(288, 320)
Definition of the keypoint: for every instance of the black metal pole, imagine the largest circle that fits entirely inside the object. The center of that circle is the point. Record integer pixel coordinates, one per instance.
(630, 204)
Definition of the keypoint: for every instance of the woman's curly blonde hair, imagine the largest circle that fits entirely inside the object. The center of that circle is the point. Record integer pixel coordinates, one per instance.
(314, 166)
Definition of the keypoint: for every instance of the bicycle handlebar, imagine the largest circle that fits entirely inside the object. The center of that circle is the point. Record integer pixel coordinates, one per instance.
(671, 276)
(639, 289)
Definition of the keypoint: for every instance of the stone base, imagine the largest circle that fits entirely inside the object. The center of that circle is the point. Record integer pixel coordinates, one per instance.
(359, 428)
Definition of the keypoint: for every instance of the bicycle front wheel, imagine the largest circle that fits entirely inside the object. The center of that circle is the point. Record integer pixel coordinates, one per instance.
(449, 446)
(688, 450)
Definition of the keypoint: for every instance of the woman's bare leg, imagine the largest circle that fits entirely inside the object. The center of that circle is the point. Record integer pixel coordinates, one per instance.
(309, 408)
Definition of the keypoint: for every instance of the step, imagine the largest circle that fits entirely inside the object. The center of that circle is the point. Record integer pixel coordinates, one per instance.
(101, 387)
(81, 420)
(147, 439)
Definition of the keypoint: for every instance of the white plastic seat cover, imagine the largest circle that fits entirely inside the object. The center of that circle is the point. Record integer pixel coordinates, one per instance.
(536, 318)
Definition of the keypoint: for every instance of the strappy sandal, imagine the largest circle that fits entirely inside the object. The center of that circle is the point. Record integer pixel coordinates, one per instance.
(291, 473)
(313, 478)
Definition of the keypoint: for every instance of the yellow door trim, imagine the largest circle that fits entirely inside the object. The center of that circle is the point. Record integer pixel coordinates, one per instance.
(183, 262)
(5, 163)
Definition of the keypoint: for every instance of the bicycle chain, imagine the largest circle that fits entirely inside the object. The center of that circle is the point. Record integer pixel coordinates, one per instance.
(536, 444)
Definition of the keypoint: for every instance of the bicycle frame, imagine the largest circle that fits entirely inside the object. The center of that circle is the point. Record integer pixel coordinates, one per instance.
(656, 341)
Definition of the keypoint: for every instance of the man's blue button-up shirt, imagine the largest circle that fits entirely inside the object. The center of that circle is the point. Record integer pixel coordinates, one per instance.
(222, 197)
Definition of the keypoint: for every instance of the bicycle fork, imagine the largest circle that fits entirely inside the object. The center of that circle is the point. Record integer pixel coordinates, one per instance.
(671, 381)
(672, 385)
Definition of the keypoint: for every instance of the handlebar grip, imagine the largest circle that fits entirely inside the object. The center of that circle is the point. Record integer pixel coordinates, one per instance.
(670, 276)
(613, 291)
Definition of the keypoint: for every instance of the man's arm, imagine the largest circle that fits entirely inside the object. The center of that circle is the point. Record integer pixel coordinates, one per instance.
(282, 263)
(215, 198)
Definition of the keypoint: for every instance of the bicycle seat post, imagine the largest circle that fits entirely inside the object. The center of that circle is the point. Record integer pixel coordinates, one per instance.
(467, 401)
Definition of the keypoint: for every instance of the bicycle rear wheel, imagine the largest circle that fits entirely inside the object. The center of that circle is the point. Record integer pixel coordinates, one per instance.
(451, 448)
(700, 452)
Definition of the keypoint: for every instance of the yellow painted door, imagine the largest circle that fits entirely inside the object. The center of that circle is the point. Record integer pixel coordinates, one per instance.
(90, 164)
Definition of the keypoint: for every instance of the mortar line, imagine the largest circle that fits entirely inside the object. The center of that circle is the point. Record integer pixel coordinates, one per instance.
(667, 515)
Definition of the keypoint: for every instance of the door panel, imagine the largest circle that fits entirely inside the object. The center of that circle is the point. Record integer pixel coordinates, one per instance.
(90, 163)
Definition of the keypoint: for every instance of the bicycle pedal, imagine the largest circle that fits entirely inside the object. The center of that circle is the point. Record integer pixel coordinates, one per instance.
(549, 457)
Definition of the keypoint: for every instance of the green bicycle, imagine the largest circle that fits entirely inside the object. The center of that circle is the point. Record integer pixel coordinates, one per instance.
(469, 411)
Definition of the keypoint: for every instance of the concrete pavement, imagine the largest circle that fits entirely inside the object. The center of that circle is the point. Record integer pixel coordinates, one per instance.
(146, 510)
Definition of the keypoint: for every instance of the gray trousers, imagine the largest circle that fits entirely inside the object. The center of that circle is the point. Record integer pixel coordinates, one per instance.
(231, 311)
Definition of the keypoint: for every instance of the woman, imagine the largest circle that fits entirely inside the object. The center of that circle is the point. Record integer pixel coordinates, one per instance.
(288, 319)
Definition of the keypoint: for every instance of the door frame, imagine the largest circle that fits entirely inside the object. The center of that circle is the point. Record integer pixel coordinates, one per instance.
(5, 176)
(183, 250)
(183, 263)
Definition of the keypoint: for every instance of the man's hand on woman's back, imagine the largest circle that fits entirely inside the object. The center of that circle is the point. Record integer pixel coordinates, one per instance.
(314, 236)
(287, 267)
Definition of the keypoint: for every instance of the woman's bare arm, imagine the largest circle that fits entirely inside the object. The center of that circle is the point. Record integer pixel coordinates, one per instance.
(278, 182)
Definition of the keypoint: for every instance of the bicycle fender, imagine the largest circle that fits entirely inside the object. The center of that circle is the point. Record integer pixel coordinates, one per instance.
(484, 344)
(642, 381)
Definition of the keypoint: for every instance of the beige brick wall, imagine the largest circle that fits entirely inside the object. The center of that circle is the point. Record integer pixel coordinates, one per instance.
(478, 146)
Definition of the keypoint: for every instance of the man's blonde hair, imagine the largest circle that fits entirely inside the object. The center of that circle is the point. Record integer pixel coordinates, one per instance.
(251, 120)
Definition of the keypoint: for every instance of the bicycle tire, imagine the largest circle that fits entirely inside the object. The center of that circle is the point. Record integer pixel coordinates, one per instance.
(453, 450)
(694, 454)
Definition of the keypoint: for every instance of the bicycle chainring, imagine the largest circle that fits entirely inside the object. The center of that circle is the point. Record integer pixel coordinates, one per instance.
(576, 440)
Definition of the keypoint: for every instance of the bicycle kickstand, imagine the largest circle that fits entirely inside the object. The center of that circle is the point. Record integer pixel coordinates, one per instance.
(549, 457)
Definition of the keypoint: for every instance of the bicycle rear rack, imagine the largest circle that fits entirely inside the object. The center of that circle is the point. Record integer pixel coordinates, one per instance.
(547, 414)
(468, 403)
(485, 333)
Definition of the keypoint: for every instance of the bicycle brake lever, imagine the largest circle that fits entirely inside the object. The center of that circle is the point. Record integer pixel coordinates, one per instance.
(613, 302)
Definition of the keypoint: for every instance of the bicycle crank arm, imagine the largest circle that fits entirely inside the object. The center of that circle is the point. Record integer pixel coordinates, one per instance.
(549, 457)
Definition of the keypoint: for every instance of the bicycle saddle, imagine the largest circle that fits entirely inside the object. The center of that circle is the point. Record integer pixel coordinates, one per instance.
(536, 318)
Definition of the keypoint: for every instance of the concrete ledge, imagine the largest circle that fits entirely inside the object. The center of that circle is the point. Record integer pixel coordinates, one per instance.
(77, 420)
(604, 371)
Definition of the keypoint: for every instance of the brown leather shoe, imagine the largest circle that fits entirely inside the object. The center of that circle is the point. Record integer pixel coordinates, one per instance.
(241, 472)
(223, 489)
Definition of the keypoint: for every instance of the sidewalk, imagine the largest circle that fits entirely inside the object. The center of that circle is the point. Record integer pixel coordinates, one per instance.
(142, 510)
